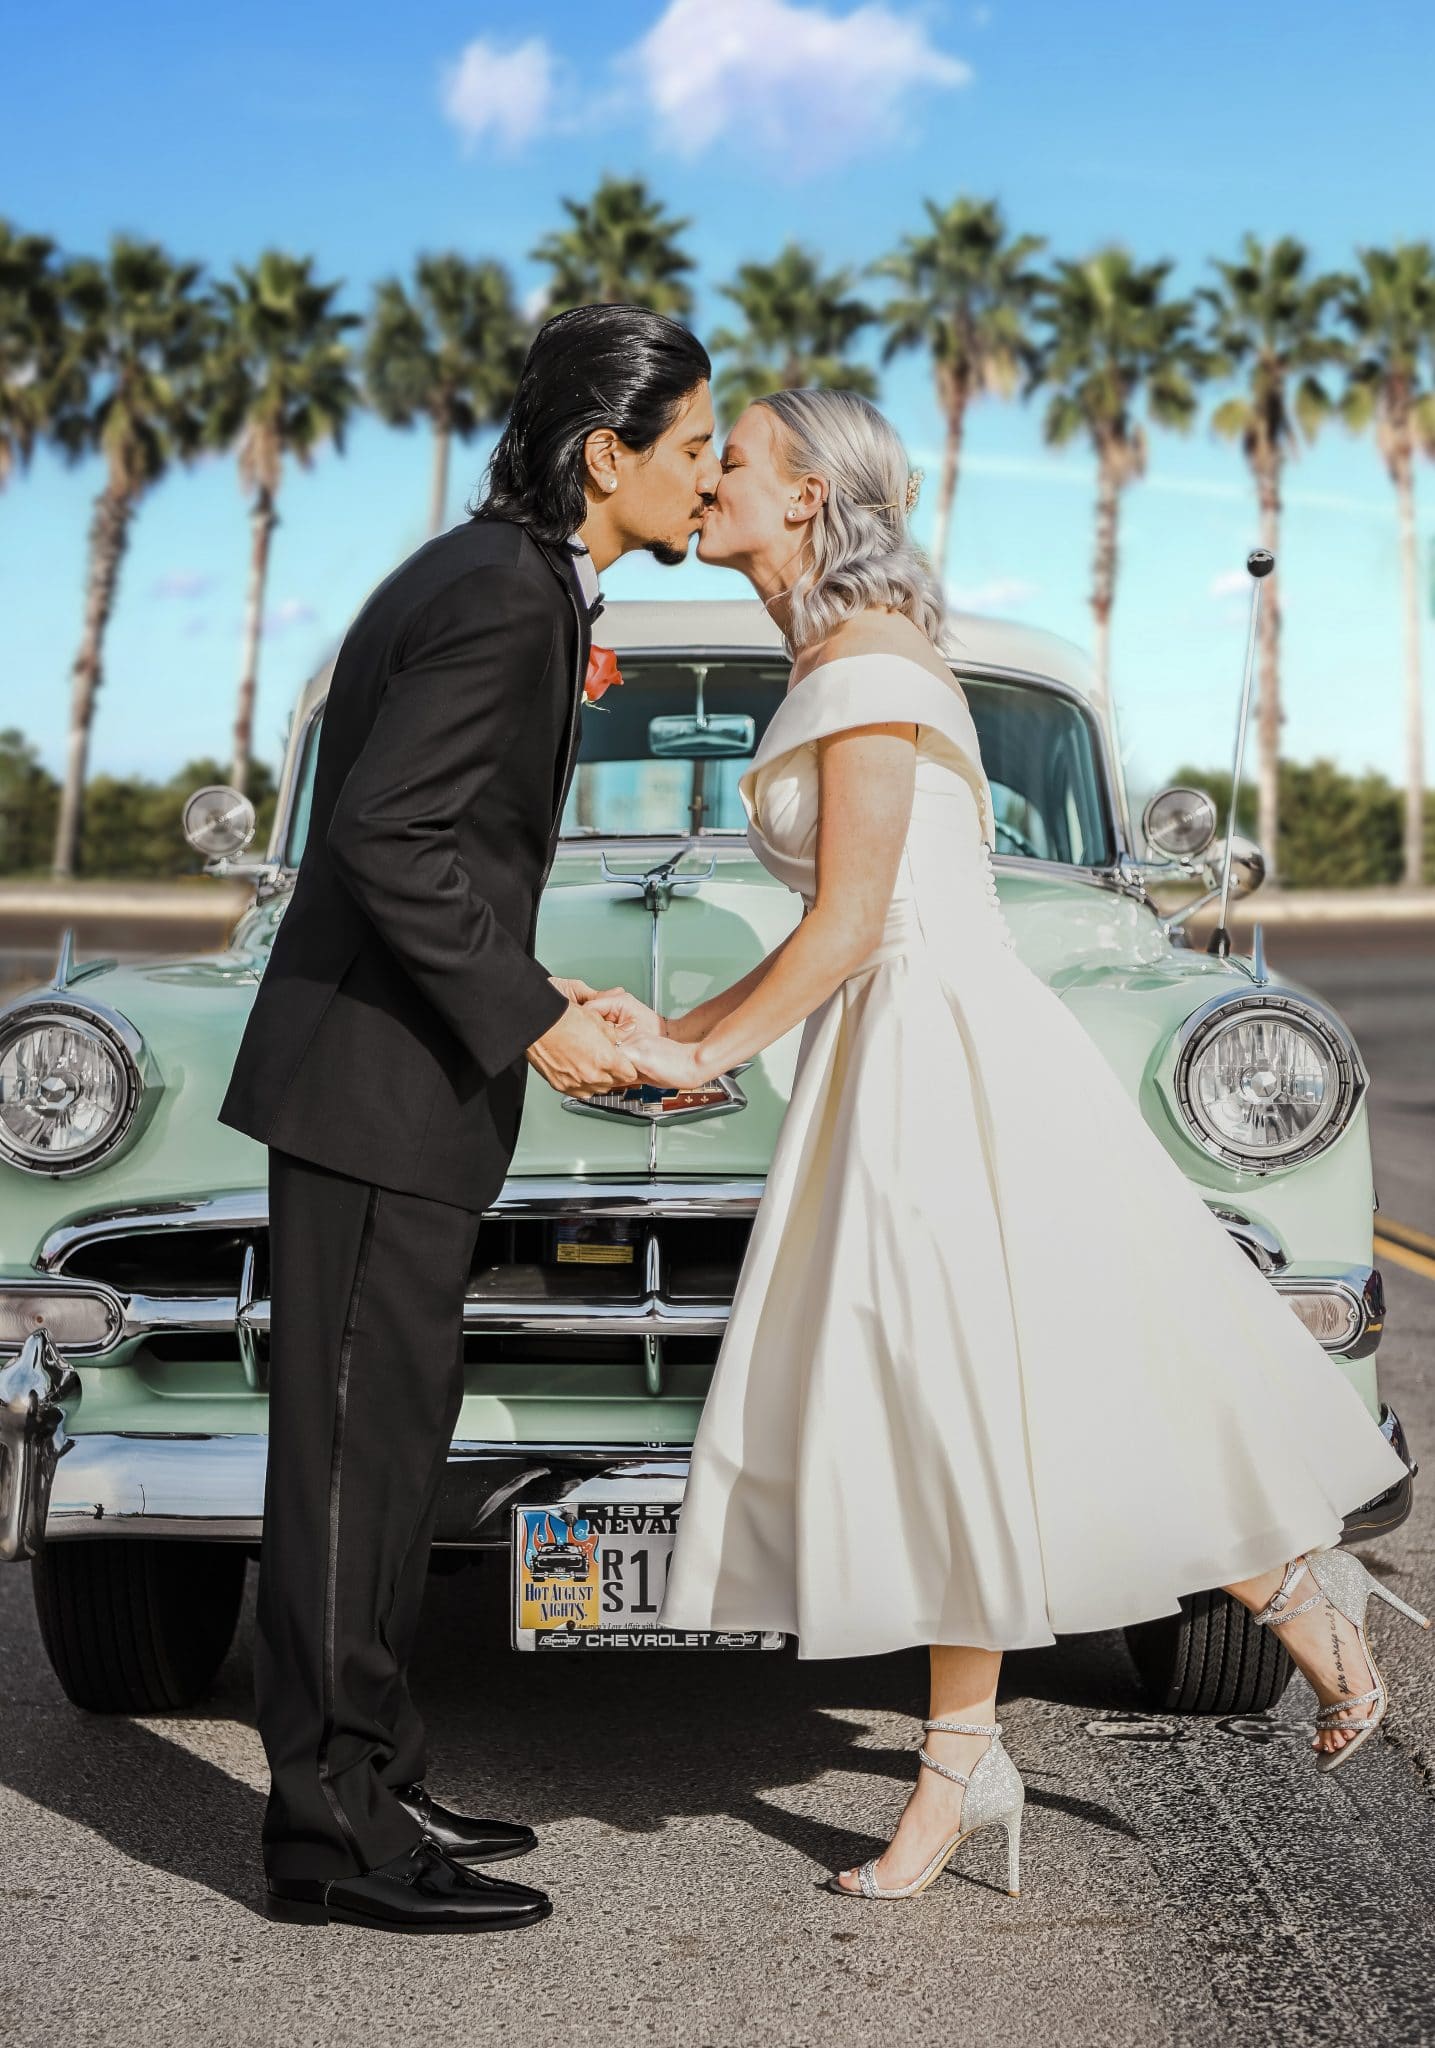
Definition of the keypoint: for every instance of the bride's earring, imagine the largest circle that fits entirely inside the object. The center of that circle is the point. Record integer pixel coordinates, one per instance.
(610, 483)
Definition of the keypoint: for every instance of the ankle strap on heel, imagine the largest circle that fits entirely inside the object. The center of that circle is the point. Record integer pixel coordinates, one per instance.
(1278, 1609)
(924, 1756)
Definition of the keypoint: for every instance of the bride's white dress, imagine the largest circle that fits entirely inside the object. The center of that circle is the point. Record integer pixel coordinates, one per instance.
(992, 1372)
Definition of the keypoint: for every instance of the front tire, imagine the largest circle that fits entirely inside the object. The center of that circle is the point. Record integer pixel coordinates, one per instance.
(137, 1627)
(1209, 1659)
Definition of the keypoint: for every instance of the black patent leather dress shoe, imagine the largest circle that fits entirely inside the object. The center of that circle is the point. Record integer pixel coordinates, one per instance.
(420, 1892)
(465, 1840)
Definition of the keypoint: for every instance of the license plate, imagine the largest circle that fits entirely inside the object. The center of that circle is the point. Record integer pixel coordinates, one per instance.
(590, 1575)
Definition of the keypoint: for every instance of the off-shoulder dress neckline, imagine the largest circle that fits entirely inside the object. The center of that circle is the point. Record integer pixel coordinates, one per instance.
(878, 654)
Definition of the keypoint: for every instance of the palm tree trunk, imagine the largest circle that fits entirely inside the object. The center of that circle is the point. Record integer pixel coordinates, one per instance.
(109, 531)
(1269, 715)
(946, 494)
(262, 521)
(438, 496)
(1103, 587)
(1414, 862)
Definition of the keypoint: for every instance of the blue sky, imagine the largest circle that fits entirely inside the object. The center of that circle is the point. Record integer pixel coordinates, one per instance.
(366, 133)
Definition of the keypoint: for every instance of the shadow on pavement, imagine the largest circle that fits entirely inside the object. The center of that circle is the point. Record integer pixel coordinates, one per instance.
(631, 1742)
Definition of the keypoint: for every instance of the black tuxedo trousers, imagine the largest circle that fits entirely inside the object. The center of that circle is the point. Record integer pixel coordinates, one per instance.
(366, 1376)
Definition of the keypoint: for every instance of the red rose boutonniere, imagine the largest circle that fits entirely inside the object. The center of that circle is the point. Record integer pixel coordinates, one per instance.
(602, 671)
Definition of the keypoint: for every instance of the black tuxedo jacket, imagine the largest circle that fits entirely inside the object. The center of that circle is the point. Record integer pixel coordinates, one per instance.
(389, 1028)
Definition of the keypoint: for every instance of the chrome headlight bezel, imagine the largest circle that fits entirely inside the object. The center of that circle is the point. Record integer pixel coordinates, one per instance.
(1300, 1012)
(140, 1081)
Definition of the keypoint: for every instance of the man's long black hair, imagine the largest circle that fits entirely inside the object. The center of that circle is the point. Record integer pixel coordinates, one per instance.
(596, 366)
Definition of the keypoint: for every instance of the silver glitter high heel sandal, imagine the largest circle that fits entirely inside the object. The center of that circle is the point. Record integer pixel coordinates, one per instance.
(1344, 1582)
(993, 1797)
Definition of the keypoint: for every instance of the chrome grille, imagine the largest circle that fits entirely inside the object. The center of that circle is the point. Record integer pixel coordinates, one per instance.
(611, 1273)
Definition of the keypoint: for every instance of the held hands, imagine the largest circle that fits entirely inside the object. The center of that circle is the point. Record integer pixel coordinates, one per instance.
(580, 1054)
(623, 1043)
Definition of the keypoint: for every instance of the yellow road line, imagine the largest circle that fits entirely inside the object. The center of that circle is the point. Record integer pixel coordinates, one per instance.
(1401, 1255)
(1405, 1233)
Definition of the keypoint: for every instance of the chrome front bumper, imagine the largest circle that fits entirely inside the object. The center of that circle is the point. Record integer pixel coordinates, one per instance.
(211, 1488)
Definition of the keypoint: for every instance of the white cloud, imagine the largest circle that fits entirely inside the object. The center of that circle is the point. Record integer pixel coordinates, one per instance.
(1230, 583)
(184, 584)
(997, 594)
(292, 612)
(507, 93)
(797, 83)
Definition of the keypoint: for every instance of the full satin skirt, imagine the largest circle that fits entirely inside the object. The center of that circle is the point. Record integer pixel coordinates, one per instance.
(993, 1372)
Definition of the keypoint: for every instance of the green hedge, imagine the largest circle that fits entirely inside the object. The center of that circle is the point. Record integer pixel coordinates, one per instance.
(1337, 831)
(131, 825)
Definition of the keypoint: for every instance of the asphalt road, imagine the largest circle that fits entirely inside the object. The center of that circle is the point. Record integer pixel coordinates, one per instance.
(1182, 1882)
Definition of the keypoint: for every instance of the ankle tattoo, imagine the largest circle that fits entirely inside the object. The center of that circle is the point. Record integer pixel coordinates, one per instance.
(1343, 1683)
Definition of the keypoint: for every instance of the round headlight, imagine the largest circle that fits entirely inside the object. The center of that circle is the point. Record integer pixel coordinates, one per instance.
(1265, 1080)
(69, 1088)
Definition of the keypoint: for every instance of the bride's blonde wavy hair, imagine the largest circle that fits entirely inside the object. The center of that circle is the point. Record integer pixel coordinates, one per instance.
(860, 551)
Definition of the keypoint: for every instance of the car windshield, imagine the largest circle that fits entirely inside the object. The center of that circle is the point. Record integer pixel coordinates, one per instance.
(661, 756)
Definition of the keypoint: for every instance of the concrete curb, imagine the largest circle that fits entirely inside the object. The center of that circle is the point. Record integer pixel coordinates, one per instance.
(221, 902)
(1323, 906)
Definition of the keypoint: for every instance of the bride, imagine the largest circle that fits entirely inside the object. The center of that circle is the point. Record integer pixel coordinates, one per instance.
(960, 1399)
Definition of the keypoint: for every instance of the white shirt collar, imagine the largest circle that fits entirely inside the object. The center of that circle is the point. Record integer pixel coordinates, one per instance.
(583, 562)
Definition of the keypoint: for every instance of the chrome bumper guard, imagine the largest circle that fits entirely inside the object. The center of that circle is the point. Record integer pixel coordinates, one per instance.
(35, 1389)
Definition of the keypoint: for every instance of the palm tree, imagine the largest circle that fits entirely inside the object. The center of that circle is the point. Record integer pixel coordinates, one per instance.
(136, 331)
(798, 326)
(280, 383)
(1390, 310)
(621, 248)
(964, 295)
(30, 335)
(1268, 318)
(451, 354)
(1114, 343)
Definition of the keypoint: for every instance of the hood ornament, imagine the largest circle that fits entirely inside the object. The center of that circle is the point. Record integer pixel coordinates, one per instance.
(719, 1097)
(658, 883)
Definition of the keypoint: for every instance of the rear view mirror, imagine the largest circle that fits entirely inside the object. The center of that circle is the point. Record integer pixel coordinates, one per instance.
(681, 737)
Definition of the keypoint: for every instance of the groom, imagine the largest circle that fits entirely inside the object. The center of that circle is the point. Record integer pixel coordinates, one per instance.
(384, 1064)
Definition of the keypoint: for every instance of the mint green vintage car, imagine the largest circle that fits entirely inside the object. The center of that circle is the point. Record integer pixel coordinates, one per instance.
(134, 1319)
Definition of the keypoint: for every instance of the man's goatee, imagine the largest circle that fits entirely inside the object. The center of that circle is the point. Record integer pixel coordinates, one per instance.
(670, 557)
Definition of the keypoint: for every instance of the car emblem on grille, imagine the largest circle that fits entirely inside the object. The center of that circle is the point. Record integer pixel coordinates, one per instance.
(718, 1097)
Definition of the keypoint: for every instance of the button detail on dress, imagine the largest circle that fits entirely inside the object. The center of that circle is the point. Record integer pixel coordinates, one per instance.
(993, 897)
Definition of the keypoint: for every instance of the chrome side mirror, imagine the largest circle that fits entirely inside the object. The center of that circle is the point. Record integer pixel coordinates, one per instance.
(218, 822)
(1179, 823)
(1248, 871)
(1248, 866)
